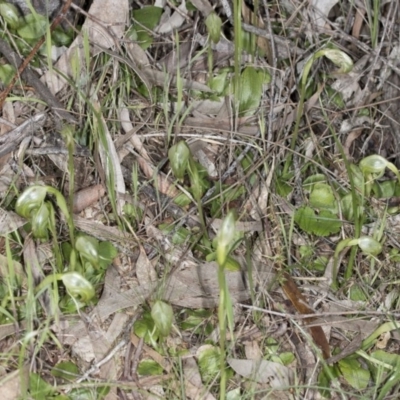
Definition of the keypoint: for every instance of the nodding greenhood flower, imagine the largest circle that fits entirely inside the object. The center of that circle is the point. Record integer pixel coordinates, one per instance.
(40, 222)
(367, 244)
(376, 164)
(10, 14)
(30, 200)
(88, 248)
(179, 155)
(339, 58)
(225, 237)
(78, 287)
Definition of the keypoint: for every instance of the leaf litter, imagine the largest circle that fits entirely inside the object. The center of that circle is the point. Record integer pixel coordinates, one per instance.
(151, 266)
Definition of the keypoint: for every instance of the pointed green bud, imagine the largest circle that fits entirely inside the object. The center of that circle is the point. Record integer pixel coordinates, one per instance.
(179, 155)
(214, 25)
(162, 315)
(225, 237)
(30, 200)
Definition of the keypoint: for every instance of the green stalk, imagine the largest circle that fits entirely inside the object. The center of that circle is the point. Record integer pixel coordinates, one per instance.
(355, 202)
(237, 28)
(222, 329)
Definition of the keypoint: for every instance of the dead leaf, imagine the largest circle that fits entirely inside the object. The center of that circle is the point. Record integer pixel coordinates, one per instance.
(145, 271)
(161, 182)
(268, 372)
(175, 21)
(300, 303)
(88, 196)
(194, 388)
(320, 11)
(10, 221)
(252, 350)
(130, 130)
(12, 384)
(113, 16)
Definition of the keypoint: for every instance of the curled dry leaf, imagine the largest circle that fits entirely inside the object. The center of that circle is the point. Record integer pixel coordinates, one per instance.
(145, 271)
(129, 129)
(86, 197)
(175, 21)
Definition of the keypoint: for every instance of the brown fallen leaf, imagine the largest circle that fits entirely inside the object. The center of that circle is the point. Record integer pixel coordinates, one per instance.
(300, 303)
(86, 197)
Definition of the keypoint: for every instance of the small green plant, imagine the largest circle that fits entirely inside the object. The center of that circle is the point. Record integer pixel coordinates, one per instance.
(29, 28)
(225, 239)
(87, 259)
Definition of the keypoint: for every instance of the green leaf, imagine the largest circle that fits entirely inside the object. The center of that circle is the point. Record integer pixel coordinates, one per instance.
(310, 181)
(34, 28)
(322, 197)
(66, 370)
(231, 264)
(219, 82)
(355, 376)
(83, 394)
(162, 315)
(182, 200)
(357, 294)
(305, 218)
(384, 190)
(61, 38)
(385, 357)
(149, 368)
(324, 224)
(324, 380)
(251, 87)
(39, 389)
(7, 72)
(143, 325)
(209, 361)
(287, 357)
(327, 224)
(107, 253)
(148, 17)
